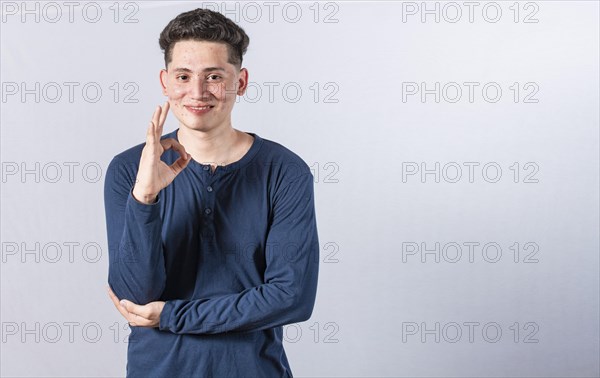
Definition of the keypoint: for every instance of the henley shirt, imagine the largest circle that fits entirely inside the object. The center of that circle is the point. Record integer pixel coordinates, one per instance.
(234, 253)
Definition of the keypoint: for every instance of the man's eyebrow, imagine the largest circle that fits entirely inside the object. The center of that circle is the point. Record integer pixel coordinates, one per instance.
(213, 69)
(207, 69)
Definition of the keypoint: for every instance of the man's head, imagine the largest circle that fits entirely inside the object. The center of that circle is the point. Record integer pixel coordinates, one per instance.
(203, 74)
(204, 25)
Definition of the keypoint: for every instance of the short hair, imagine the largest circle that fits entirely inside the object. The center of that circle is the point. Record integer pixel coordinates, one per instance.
(205, 25)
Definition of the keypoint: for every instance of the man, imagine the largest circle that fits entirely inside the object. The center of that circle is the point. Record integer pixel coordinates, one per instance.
(212, 235)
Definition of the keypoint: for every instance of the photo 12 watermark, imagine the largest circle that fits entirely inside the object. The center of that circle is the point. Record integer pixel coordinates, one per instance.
(52, 252)
(452, 332)
(51, 172)
(453, 172)
(315, 332)
(290, 12)
(69, 92)
(452, 92)
(452, 12)
(291, 92)
(80, 12)
(64, 332)
(471, 252)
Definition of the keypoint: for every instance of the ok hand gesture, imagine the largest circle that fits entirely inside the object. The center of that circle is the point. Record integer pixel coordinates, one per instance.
(153, 174)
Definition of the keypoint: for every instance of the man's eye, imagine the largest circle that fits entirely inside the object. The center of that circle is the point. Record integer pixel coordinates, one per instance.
(182, 77)
(214, 77)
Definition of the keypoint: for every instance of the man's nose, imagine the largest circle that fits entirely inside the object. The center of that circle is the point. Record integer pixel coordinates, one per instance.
(200, 89)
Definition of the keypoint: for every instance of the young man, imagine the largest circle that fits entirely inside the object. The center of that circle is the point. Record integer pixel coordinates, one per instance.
(212, 234)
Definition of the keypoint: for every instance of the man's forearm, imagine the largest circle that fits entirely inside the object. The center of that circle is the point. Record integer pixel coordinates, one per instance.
(136, 261)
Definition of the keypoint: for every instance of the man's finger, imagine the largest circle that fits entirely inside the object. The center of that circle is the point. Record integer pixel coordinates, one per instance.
(156, 122)
(179, 165)
(137, 318)
(112, 295)
(150, 133)
(163, 117)
(138, 313)
(129, 306)
(184, 159)
(174, 144)
(117, 304)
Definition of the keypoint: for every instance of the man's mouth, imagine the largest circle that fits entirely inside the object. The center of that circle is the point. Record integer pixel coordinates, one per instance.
(199, 109)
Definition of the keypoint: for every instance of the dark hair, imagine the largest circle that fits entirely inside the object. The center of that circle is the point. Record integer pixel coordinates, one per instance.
(204, 25)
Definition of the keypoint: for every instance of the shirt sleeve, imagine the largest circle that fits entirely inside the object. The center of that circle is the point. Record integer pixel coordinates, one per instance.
(290, 278)
(136, 268)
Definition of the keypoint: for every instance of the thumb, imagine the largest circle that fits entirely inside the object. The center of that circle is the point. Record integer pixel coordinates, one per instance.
(127, 305)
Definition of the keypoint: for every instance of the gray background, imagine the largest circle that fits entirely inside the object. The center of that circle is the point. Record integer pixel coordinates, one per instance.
(385, 306)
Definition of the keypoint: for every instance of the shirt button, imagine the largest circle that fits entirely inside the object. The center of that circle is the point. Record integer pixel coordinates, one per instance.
(209, 188)
(207, 211)
(206, 167)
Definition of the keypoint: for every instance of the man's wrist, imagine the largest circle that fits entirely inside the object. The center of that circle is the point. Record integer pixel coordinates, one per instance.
(165, 314)
(146, 199)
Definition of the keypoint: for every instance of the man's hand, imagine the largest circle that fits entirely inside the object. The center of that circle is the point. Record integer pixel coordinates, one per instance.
(153, 174)
(136, 315)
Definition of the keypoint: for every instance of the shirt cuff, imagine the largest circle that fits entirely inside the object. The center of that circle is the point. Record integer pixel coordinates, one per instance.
(141, 204)
(165, 316)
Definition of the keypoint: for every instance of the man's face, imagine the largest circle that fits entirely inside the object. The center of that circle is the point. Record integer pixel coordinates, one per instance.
(201, 85)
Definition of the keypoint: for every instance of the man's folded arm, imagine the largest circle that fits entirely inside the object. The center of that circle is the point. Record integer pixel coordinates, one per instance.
(136, 260)
(290, 279)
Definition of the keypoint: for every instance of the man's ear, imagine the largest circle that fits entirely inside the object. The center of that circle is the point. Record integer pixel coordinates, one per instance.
(243, 82)
(163, 81)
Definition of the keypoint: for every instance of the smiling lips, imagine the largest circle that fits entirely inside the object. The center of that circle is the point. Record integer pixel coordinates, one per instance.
(199, 110)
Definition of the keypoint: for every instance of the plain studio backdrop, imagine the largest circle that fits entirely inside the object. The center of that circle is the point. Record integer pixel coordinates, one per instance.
(454, 148)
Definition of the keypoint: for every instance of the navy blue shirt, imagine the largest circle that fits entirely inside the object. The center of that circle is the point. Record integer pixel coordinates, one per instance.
(234, 253)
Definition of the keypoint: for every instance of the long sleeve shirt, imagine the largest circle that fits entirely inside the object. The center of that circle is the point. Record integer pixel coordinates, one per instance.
(234, 253)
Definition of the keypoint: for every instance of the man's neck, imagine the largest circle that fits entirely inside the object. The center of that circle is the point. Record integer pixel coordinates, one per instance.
(217, 147)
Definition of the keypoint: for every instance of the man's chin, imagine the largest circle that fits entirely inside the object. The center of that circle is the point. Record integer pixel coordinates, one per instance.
(201, 127)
